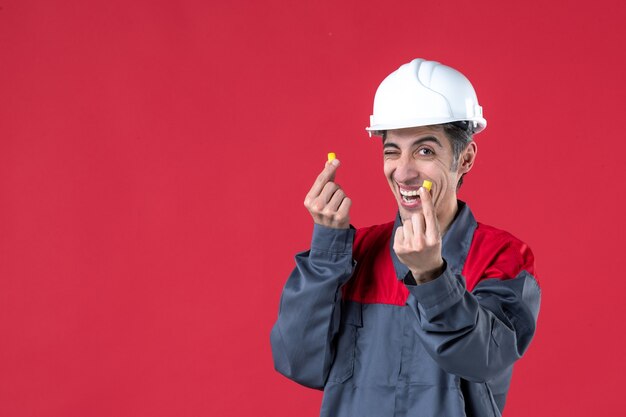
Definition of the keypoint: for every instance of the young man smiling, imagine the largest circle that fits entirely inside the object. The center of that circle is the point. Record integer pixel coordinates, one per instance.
(411, 156)
(423, 316)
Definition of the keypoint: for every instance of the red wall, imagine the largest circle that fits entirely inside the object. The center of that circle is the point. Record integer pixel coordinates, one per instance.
(154, 156)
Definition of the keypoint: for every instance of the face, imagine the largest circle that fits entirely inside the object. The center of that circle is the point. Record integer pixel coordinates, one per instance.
(424, 153)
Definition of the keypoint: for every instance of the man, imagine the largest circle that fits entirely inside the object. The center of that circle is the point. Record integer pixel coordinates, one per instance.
(424, 316)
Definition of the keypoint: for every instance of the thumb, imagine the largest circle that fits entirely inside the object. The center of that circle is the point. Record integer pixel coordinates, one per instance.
(331, 167)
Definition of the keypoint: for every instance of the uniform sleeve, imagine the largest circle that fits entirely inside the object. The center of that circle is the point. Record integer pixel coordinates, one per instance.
(309, 312)
(478, 334)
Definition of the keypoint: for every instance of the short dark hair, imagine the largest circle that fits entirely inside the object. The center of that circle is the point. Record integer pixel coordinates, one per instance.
(460, 135)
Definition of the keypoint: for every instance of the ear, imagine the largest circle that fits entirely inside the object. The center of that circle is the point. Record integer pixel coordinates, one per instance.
(467, 158)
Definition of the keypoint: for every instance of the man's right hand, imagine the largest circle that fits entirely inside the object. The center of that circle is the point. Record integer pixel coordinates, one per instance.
(327, 202)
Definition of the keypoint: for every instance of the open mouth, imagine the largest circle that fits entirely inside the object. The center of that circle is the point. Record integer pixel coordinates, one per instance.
(409, 196)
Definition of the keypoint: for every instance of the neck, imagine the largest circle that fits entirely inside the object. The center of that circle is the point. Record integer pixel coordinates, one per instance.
(446, 215)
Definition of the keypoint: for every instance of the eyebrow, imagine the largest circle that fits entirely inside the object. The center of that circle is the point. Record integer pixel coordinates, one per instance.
(415, 143)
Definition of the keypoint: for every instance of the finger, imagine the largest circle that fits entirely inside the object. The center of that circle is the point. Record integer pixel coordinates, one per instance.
(407, 228)
(344, 208)
(430, 217)
(327, 174)
(398, 240)
(417, 219)
(336, 200)
(327, 192)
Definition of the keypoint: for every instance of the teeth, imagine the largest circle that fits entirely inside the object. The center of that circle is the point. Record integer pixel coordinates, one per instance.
(408, 193)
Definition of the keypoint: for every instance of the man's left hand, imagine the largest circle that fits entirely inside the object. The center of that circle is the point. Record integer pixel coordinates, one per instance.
(418, 242)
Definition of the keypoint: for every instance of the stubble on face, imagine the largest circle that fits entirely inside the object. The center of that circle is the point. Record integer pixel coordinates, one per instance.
(416, 154)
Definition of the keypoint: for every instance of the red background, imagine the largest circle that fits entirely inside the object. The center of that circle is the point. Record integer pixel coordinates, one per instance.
(154, 156)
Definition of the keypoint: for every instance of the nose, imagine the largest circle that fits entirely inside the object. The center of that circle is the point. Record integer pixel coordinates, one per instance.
(406, 172)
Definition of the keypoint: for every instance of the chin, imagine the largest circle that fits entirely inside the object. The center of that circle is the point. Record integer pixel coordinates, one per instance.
(406, 213)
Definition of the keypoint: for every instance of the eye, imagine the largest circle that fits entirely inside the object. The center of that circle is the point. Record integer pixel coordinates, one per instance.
(390, 153)
(425, 151)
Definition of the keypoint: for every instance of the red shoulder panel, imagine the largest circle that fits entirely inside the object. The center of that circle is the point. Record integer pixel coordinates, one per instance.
(374, 280)
(495, 253)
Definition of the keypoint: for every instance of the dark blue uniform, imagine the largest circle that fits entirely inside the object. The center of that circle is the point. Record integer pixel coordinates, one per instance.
(352, 323)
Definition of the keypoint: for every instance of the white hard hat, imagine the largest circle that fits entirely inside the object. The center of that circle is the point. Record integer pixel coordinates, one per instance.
(423, 93)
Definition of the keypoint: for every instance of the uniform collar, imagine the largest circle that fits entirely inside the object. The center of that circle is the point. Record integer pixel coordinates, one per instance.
(456, 241)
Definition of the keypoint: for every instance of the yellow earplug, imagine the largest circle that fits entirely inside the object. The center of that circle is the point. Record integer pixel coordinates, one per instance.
(427, 184)
(331, 156)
